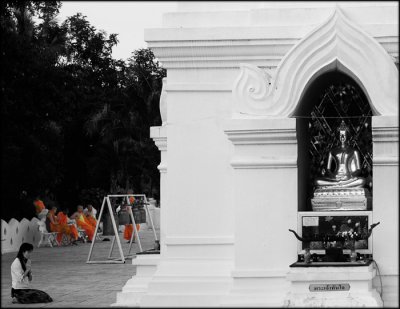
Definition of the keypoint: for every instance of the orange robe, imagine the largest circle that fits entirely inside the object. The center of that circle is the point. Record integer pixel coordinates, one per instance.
(128, 231)
(72, 230)
(83, 222)
(62, 227)
(39, 206)
(92, 220)
(129, 227)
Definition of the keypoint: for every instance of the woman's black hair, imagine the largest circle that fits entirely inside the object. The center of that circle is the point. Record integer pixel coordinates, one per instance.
(24, 247)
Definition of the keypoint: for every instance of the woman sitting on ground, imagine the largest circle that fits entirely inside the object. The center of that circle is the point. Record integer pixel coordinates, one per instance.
(21, 276)
(60, 225)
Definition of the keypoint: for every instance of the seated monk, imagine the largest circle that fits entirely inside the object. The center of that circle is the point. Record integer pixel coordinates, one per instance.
(41, 211)
(63, 219)
(83, 223)
(90, 213)
(347, 161)
(39, 205)
(59, 224)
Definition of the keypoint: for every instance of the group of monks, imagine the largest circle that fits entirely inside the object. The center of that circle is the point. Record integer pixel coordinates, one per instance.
(84, 219)
(60, 223)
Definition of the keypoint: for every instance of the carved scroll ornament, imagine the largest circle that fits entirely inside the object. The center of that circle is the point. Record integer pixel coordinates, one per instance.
(337, 44)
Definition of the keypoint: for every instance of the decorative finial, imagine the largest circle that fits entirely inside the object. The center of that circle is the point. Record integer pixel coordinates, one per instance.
(343, 126)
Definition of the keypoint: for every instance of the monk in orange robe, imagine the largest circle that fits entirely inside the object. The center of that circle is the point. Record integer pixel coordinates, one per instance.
(83, 223)
(129, 227)
(63, 219)
(61, 226)
(40, 209)
(39, 206)
(90, 213)
(128, 231)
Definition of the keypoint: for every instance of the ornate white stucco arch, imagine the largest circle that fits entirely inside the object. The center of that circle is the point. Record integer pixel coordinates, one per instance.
(337, 42)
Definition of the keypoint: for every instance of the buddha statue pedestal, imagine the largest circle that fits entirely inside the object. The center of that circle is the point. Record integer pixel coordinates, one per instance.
(350, 286)
(326, 199)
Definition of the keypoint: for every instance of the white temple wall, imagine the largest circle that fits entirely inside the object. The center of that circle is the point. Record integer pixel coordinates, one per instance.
(199, 180)
(386, 205)
(263, 215)
(231, 189)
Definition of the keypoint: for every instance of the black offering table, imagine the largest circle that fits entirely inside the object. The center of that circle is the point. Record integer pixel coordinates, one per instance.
(332, 279)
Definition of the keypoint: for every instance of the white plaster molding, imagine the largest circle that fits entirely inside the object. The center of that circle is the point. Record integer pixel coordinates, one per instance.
(337, 42)
(166, 40)
(261, 133)
(322, 273)
(199, 88)
(243, 13)
(162, 168)
(260, 163)
(191, 240)
(261, 47)
(161, 143)
(159, 136)
(261, 136)
(259, 273)
(385, 134)
(386, 161)
(163, 102)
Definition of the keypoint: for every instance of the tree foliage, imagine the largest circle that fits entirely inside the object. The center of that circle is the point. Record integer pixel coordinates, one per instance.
(74, 119)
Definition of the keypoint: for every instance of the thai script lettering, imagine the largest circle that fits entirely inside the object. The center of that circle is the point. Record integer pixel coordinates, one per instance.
(329, 287)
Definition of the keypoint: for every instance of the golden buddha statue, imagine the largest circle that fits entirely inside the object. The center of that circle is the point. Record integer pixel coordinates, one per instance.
(347, 161)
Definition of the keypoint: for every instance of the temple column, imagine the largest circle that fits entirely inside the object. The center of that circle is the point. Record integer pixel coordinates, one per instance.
(385, 187)
(265, 198)
(159, 136)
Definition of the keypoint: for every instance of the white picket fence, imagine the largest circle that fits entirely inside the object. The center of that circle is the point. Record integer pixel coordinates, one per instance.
(14, 233)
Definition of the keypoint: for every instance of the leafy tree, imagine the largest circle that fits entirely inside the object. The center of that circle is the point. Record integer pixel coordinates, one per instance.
(122, 126)
(32, 133)
(74, 120)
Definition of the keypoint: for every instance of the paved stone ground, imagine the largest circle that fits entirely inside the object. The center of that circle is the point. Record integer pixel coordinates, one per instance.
(63, 273)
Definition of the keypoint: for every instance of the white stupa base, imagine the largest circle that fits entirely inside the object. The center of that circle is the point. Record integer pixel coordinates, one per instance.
(188, 283)
(360, 292)
(257, 291)
(339, 299)
(137, 286)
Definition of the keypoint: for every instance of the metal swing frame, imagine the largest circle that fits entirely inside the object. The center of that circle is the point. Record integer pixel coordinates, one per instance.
(122, 258)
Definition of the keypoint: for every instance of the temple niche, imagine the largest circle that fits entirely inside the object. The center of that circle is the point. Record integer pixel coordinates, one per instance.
(332, 101)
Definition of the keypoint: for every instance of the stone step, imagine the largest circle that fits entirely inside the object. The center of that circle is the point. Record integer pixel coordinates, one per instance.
(179, 300)
(189, 286)
(251, 300)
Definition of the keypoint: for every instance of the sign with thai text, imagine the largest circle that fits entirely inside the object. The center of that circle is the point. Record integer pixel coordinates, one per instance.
(310, 221)
(335, 287)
